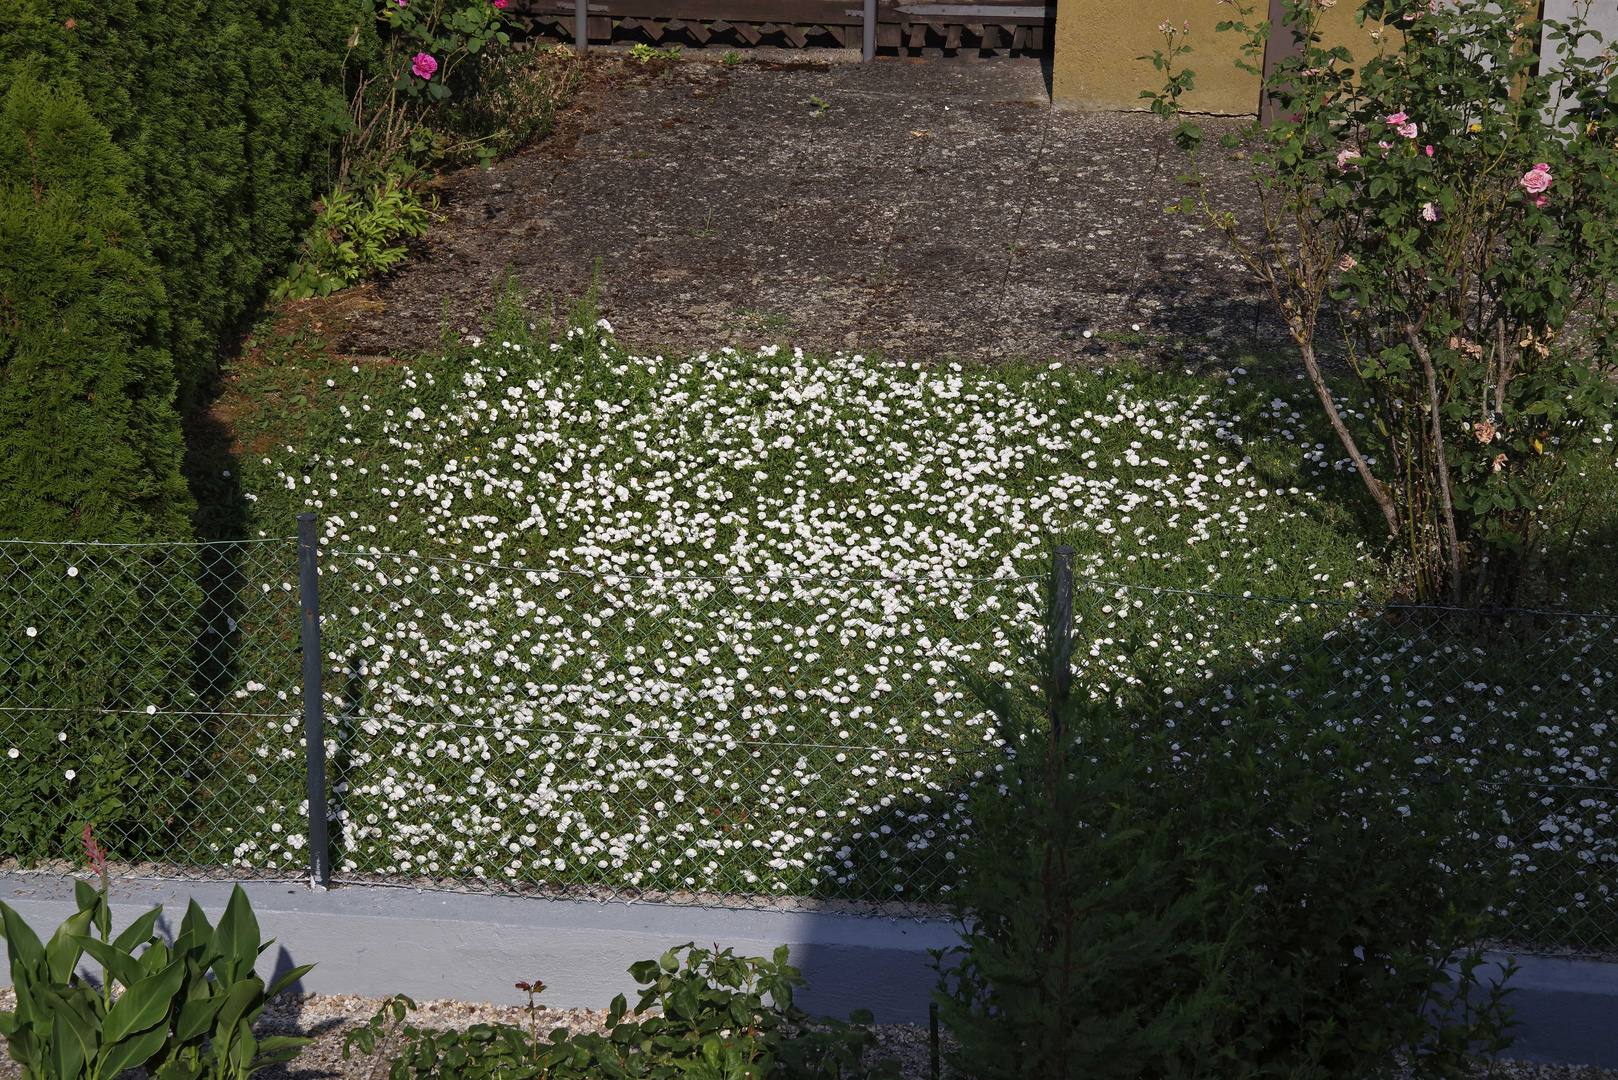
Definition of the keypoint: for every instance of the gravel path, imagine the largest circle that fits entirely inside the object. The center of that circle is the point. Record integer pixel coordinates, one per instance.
(935, 209)
(329, 1017)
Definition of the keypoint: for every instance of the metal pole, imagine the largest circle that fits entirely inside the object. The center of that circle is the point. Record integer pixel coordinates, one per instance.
(1062, 620)
(868, 51)
(314, 705)
(581, 26)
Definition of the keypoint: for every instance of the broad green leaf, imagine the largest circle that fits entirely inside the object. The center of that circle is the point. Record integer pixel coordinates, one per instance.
(61, 954)
(85, 895)
(236, 938)
(196, 1015)
(126, 1054)
(288, 979)
(21, 941)
(239, 998)
(119, 964)
(73, 1043)
(138, 931)
(195, 930)
(144, 1003)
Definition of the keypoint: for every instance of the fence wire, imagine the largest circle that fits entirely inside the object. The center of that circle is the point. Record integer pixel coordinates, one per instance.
(770, 740)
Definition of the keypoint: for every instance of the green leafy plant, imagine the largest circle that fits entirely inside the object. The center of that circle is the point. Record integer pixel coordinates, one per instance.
(731, 59)
(702, 1014)
(706, 230)
(184, 1013)
(820, 104)
(444, 37)
(1451, 206)
(1254, 889)
(355, 237)
(647, 53)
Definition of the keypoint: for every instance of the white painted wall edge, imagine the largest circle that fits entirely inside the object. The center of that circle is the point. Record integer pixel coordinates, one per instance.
(375, 941)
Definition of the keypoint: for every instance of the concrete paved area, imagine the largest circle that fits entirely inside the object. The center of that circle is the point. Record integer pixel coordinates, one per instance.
(934, 209)
(374, 941)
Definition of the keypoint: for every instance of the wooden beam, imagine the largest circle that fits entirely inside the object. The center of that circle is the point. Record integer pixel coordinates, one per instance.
(952, 36)
(748, 33)
(1019, 37)
(794, 35)
(888, 36)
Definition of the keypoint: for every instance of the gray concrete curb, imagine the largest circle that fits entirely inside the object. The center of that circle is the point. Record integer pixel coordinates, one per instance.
(375, 941)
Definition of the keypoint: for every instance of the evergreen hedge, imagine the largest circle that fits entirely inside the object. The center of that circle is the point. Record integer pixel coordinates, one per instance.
(225, 113)
(89, 439)
(159, 160)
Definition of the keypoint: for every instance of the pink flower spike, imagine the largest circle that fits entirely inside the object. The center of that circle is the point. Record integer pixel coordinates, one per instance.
(94, 852)
(1429, 150)
(1398, 118)
(424, 66)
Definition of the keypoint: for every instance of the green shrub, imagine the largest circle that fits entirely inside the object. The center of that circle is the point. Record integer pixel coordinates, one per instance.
(1257, 890)
(703, 1015)
(89, 440)
(354, 238)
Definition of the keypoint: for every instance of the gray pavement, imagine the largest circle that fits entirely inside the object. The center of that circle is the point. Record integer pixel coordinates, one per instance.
(936, 209)
(375, 941)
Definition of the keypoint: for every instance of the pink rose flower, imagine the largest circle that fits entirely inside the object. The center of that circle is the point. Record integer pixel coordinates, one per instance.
(501, 4)
(1346, 156)
(1409, 131)
(1347, 263)
(424, 66)
(1429, 150)
(1537, 179)
(1429, 211)
(1540, 200)
(1397, 118)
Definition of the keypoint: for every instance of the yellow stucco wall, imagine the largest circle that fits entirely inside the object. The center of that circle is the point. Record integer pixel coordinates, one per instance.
(1097, 42)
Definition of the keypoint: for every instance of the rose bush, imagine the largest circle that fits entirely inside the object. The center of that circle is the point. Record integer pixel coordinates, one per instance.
(1449, 207)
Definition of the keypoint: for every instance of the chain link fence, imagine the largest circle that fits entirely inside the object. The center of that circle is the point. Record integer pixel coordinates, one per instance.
(783, 739)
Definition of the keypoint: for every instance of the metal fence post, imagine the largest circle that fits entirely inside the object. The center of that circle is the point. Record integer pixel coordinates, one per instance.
(868, 46)
(314, 705)
(581, 26)
(1062, 621)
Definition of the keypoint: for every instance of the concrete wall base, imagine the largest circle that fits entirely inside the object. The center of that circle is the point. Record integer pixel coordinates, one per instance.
(376, 941)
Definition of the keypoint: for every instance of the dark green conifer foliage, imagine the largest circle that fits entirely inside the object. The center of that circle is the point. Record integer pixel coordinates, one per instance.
(89, 440)
(226, 112)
